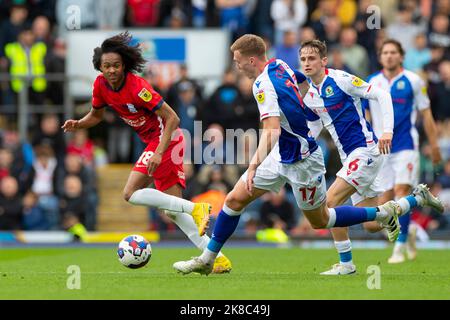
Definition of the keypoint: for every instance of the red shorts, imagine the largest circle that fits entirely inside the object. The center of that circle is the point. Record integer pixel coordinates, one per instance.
(170, 171)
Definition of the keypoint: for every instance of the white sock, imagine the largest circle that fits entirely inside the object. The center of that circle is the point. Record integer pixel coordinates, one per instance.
(154, 198)
(186, 223)
(208, 256)
(399, 247)
(332, 218)
(404, 204)
(344, 246)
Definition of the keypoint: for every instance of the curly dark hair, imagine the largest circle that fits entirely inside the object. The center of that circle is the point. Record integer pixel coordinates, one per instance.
(120, 44)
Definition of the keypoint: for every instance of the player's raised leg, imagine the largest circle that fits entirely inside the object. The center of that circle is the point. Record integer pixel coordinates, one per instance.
(186, 223)
(226, 224)
(137, 193)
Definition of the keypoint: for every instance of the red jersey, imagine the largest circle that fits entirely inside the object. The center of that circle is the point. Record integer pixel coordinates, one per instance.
(135, 102)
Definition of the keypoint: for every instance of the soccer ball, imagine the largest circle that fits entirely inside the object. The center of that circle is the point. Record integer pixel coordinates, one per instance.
(134, 251)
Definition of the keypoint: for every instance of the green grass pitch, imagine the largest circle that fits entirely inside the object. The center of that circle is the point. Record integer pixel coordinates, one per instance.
(258, 273)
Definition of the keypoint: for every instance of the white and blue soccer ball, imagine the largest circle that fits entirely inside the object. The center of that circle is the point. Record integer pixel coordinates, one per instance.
(134, 251)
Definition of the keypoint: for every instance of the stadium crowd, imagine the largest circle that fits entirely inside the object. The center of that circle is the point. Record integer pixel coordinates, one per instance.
(48, 182)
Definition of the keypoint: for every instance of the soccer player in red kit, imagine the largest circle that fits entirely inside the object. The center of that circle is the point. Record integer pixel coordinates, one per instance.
(156, 123)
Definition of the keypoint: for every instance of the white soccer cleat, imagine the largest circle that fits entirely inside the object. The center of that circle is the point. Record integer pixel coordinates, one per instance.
(391, 223)
(193, 265)
(411, 249)
(429, 200)
(339, 269)
(397, 257)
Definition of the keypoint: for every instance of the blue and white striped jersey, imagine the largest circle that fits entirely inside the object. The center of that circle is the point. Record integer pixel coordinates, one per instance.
(337, 103)
(277, 94)
(409, 94)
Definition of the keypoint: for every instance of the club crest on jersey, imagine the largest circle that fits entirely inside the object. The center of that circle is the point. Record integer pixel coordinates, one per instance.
(260, 96)
(145, 95)
(357, 82)
(401, 85)
(329, 91)
(131, 108)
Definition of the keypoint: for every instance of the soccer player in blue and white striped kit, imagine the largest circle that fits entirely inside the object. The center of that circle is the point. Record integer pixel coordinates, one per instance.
(400, 171)
(335, 99)
(287, 153)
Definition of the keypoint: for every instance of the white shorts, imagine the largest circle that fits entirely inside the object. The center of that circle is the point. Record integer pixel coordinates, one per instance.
(361, 169)
(306, 177)
(400, 168)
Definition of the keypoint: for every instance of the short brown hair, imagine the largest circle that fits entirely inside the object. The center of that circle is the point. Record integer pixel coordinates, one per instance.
(249, 45)
(395, 43)
(317, 45)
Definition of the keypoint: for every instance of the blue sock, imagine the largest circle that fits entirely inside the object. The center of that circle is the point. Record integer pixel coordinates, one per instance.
(349, 216)
(345, 256)
(404, 225)
(224, 228)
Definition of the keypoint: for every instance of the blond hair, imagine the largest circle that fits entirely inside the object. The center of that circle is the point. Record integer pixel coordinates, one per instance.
(249, 45)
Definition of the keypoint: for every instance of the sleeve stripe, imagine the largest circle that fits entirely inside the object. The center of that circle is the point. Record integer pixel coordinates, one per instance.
(158, 106)
(370, 87)
(99, 107)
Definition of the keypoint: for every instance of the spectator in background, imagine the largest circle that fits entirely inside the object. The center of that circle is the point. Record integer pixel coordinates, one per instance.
(233, 15)
(287, 15)
(332, 29)
(110, 14)
(355, 56)
(336, 60)
(288, 49)
(441, 100)
(246, 111)
(444, 178)
(41, 30)
(56, 63)
(65, 10)
(21, 159)
(143, 13)
(432, 72)
(44, 169)
(81, 145)
(27, 57)
(307, 34)
(50, 133)
(199, 13)
(9, 29)
(223, 101)
(439, 31)
(178, 9)
(10, 204)
(319, 17)
(72, 207)
(277, 212)
(416, 58)
(173, 98)
(73, 166)
(405, 30)
(33, 216)
(187, 106)
(261, 21)
(367, 37)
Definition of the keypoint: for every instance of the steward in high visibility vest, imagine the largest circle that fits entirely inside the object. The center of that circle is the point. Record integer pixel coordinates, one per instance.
(27, 57)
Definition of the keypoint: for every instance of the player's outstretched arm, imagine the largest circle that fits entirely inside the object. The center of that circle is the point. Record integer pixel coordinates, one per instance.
(91, 119)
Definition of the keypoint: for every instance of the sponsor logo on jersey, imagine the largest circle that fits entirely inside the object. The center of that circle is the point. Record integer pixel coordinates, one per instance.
(135, 123)
(329, 91)
(145, 95)
(401, 85)
(260, 96)
(424, 90)
(181, 175)
(131, 108)
(257, 83)
(357, 82)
